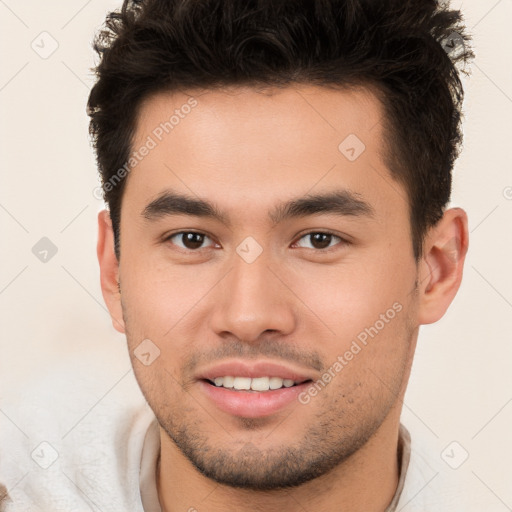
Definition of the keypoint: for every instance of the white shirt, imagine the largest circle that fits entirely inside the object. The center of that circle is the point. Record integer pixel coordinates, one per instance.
(107, 462)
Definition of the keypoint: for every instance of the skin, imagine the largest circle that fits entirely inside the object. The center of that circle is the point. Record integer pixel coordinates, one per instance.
(298, 303)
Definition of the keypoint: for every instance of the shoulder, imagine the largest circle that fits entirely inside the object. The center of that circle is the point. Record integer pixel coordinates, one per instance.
(439, 476)
(70, 444)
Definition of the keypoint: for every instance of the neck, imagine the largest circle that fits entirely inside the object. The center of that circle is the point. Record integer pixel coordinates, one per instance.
(364, 482)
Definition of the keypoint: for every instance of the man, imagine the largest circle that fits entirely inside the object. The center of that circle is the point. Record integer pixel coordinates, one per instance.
(277, 176)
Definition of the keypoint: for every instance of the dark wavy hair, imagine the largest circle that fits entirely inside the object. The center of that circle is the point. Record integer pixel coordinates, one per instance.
(406, 52)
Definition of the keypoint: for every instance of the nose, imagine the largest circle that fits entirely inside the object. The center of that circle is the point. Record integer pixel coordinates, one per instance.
(252, 299)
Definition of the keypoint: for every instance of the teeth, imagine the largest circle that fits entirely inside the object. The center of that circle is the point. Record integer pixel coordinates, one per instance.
(275, 383)
(260, 384)
(242, 383)
(256, 384)
(228, 382)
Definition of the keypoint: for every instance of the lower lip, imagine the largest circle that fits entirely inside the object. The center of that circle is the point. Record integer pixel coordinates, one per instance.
(252, 404)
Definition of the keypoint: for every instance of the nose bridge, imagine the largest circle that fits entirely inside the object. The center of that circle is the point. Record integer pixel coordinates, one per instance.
(252, 299)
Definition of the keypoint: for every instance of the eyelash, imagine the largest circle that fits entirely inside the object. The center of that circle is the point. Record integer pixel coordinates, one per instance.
(342, 241)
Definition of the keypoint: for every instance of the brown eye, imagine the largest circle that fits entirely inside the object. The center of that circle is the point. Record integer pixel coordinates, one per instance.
(189, 239)
(319, 240)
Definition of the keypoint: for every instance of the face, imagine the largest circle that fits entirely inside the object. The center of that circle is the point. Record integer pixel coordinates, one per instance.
(234, 273)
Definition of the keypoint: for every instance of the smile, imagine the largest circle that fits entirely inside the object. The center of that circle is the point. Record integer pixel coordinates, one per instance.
(253, 384)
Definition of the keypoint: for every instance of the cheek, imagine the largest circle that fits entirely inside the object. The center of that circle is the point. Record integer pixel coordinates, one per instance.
(166, 304)
(157, 295)
(351, 296)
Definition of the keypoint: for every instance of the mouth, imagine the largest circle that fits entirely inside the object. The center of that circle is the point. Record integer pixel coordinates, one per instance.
(253, 389)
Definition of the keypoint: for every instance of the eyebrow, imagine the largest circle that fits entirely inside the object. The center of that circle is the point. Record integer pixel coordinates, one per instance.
(337, 202)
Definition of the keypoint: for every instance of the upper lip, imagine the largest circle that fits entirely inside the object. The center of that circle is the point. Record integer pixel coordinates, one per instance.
(238, 368)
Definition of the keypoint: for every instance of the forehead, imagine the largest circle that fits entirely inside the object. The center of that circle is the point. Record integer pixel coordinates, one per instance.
(307, 111)
(241, 145)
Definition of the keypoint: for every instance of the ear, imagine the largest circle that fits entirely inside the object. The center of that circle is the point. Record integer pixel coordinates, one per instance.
(441, 266)
(109, 270)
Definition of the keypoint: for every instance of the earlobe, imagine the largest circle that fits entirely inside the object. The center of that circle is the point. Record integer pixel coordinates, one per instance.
(109, 270)
(442, 264)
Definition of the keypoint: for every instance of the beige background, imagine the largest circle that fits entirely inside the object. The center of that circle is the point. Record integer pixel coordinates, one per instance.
(54, 325)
